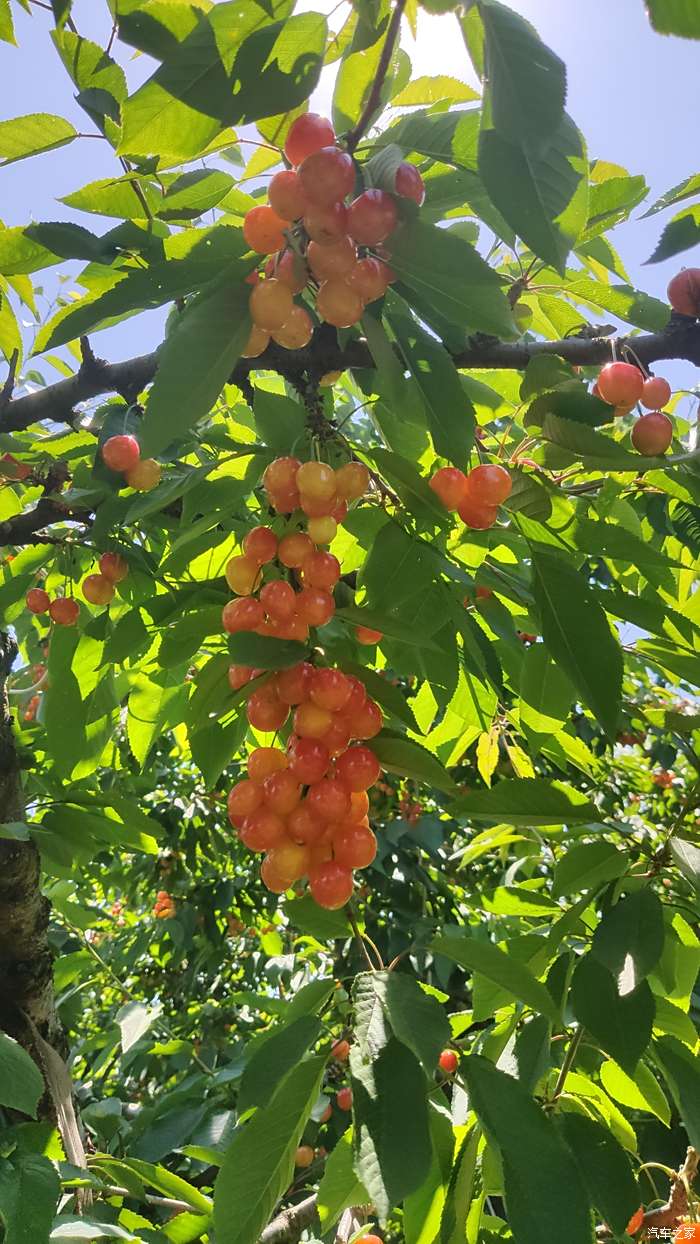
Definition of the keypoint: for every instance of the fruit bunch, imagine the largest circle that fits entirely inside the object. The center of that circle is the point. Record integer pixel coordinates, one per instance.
(123, 454)
(316, 239)
(164, 906)
(98, 588)
(63, 610)
(475, 496)
(622, 385)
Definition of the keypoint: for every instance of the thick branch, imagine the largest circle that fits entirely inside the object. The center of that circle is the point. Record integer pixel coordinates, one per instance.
(288, 1226)
(56, 401)
(29, 527)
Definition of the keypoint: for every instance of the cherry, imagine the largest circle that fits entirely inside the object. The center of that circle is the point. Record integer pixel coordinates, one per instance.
(317, 507)
(280, 475)
(270, 304)
(271, 878)
(656, 392)
(263, 230)
(372, 216)
(352, 481)
(285, 502)
(244, 798)
(448, 1062)
(244, 614)
(308, 133)
(337, 735)
(290, 859)
(144, 476)
(294, 549)
(652, 434)
(37, 600)
(341, 1051)
(409, 183)
(358, 699)
(367, 721)
(483, 593)
(12, 469)
(340, 511)
(365, 635)
(326, 1114)
(476, 515)
(286, 196)
(282, 792)
(258, 341)
(334, 260)
(315, 606)
(330, 689)
(343, 1098)
(296, 332)
(329, 799)
(279, 600)
(620, 384)
(97, 589)
(243, 575)
(304, 827)
(489, 485)
(358, 768)
(310, 721)
(359, 805)
(368, 1239)
(121, 453)
(354, 846)
(321, 570)
(327, 175)
(260, 545)
(322, 530)
(316, 480)
(290, 269)
(309, 760)
(635, 1221)
(238, 676)
(450, 485)
(64, 611)
(114, 567)
(326, 224)
(684, 292)
(265, 712)
(369, 278)
(338, 304)
(331, 887)
(304, 1156)
(264, 761)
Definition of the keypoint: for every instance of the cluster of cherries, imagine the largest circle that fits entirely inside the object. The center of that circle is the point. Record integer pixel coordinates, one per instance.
(475, 496)
(123, 454)
(98, 589)
(315, 238)
(164, 907)
(622, 385)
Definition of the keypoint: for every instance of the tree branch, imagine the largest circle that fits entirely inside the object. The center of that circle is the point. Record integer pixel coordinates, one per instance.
(374, 97)
(288, 1226)
(56, 401)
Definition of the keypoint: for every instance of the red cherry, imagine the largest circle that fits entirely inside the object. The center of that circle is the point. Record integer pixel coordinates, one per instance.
(114, 567)
(372, 216)
(358, 699)
(476, 515)
(308, 760)
(296, 332)
(368, 1239)
(310, 721)
(37, 600)
(358, 768)
(335, 260)
(10, 468)
(294, 549)
(121, 453)
(285, 502)
(367, 721)
(620, 384)
(656, 392)
(265, 712)
(365, 635)
(279, 600)
(290, 859)
(282, 792)
(450, 485)
(260, 545)
(271, 878)
(64, 611)
(293, 684)
(327, 175)
(264, 761)
(409, 183)
(238, 676)
(290, 269)
(308, 133)
(369, 278)
(331, 887)
(684, 292)
(448, 1062)
(636, 1221)
(244, 798)
(338, 304)
(343, 1098)
(317, 507)
(652, 434)
(97, 589)
(489, 485)
(263, 230)
(341, 1051)
(337, 735)
(244, 614)
(329, 800)
(330, 689)
(286, 196)
(321, 570)
(280, 475)
(315, 605)
(354, 846)
(303, 826)
(326, 224)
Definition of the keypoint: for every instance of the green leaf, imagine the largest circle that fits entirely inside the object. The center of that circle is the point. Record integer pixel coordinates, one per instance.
(259, 1162)
(527, 801)
(115, 196)
(30, 135)
(409, 759)
(450, 278)
(281, 422)
(277, 1054)
(392, 627)
(151, 706)
(675, 17)
(680, 234)
(685, 189)
(191, 194)
(630, 937)
(416, 1019)
(604, 1168)
(398, 568)
(100, 81)
(460, 1190)
(306, 916)
(381, 689)
(7, 30)
(627, 303)
(339, 1188)
(641, 1093)
(213, 328)
(578, 635)
(29, 1192)
(63, 702)
(687, 856)
(498, 967)
(433, 90)
(594, 449)
(586, 866)
(392, 1138)
(264, 651)
(134, 1020)
(526, 81)
(546, 695)
(40, 246)
(21, 1082)
(170, 1184)
(622, 1024)
(214, 746)
(412, 487)
(680, 1066)
(540, 1195)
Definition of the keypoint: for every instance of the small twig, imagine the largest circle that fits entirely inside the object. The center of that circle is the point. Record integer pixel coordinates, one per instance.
(8, 386)
(112, 37)
(362, 943)
(568, 1063)
(374, 96)
(163, 1202)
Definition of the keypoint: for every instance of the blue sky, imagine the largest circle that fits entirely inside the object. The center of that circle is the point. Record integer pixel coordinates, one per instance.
(634, 94)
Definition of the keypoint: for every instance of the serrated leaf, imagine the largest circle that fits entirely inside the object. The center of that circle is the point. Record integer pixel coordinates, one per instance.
(680, 234)
(21, 1082)
(680, 1066)
(498, 967)
(264, 651)
(526, 81)
(340, 1187)
(487, 752)
(527, 801)
(409, 759)
(621, 1024)
(30, 135)
(416, 1019)
(675, 17)
(585, 866)
(604, 1168)
(641, 1093)
(29, 1193)
(274, 1057)
(630, 938)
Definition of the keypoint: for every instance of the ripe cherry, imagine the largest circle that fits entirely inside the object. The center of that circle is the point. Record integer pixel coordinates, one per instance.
(450, 485)
(37, 600)
(330, 688)
(243, 575)
(282, 792)
(121, 453)
(656, 392)
(304, 1156)
(358, 699)
(448, 1062)
(365, 635)
(315, 605)
(326, 224)
(244, 614)
(260, 545)
(97, 589)
(271, 879)
(409, 183)
(64, 611)
(337, 735)
(304, 827)
(293, 684)
(309, 760)
(326, 1114)
(310, 721)
(341, 1051)
(372, 216)
(238, 676)
(334, 260)
(279, 600)
(331, 887)
(244, 798)
(354, 846)
(352, 481)
(620, 384)
(367, 721)
(635, 1221)
(327, 175)
(286, 196)
(322, 530)
(368, 1239)
(338, 304)
(358, 768)
(263, 230)
(280, 475)
(489, 485)
(265, 712)
(294, 549)
(308, 133)
(264, 761)
(296, 332)
(329, 800)
(114, 567)
(652, 434)
(145, 475)
(321, 570)
(258, 340)
(369, 278)
(343, 1098)
(317, 480)
(290, 859)
(270, 304)
(290, 269)
(684, 292)
(285, 502)
(317, 507)
(477, 516)
(359, 805)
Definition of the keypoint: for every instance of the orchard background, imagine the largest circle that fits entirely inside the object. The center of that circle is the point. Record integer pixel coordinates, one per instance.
(398, 576)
